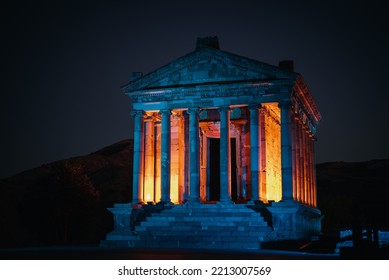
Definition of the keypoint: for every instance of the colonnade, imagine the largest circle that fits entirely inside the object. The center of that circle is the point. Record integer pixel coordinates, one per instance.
(304, 177)
(297, 162)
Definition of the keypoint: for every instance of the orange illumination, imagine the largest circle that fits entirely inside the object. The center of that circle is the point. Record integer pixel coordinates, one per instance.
(270, 155)
(174, 161)
(273, 152)
(148, 190)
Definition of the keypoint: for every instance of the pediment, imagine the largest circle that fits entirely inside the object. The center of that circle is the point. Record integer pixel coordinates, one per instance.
(207, 66)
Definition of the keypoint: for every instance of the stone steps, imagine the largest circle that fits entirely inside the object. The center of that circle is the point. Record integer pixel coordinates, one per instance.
(196, 244)
(195, 228)
(202, 238)
(183, 218)
(205, 233)
(219, 223)
(203, 226)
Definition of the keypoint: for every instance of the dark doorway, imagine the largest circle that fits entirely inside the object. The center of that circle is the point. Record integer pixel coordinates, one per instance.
(214, 169)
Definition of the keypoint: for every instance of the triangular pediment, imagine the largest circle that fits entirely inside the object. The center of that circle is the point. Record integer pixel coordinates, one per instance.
(208, 66)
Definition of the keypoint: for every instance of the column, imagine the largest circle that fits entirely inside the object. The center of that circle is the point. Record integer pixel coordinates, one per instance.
(306, 163)
(297, 165)
(305, 171)
(187, 158)
(225, 154)
(302, 175)
(148, 182)
(312, 159)
(157, 162)
(262, 155)
(138, 154)
(294, 153)
(194, 164)
(314, 174)
(165, 156)
(254, 149)
(286, 155)
(307, 167)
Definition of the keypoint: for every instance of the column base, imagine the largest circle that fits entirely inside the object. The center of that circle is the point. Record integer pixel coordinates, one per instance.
(253, 202)
(137, 201)
(225, 201)
(193, 201)
(166, 203)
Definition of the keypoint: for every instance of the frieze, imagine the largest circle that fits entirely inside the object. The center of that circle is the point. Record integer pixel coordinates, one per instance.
(303, 95)
(300, 111)
(171, 95)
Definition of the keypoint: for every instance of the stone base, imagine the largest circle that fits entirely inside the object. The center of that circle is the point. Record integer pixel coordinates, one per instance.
(214, 226)
(197, 226)
(292, 220)
(121, 236)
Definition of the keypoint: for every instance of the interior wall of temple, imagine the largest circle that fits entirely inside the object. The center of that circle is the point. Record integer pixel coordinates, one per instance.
(273, 152)
(148, 193)
(174, 159)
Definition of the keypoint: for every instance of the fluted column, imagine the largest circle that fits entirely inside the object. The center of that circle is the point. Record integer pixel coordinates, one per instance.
(297, 161)
(148, 182)
(262, 155)
(187, 157)
(301, 163)
(181, 158)
(165, 156)
(306, 166)
(194, 164)
(137, 156)
(286, 155)
(310, 201)
(294, 161)
(225, 174)
(157, 162)
(314, 174)
(254, 149)
(312, 159)
(305, 174)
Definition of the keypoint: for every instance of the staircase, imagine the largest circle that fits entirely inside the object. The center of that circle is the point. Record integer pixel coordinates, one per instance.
(213, 226)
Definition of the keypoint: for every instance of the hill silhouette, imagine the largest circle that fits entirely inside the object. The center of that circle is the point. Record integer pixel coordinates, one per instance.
(64, 202)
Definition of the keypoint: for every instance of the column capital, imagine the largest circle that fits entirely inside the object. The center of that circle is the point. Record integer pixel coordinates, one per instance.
(285, 104)
(148, 118)
(193, 110)
(167, 112)
(253, 106)
(224, 108)
(137, 113)
(176, 116)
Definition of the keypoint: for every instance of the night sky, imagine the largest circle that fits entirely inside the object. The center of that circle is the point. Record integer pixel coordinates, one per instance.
(63, 65)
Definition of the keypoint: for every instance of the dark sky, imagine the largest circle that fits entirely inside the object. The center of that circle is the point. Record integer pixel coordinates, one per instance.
(63, 65)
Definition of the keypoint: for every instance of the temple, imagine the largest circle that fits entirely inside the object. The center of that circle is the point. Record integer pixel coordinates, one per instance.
(221, 140)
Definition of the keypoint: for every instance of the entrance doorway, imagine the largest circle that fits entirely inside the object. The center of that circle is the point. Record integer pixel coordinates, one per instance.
(213, 170)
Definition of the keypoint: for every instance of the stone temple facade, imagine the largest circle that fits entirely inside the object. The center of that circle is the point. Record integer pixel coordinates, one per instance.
(223, 154)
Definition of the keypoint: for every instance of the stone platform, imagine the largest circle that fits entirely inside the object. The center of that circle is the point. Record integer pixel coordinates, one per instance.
(213, 226)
